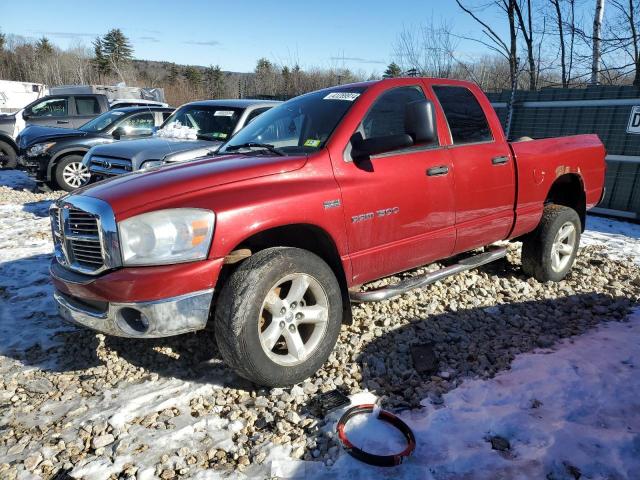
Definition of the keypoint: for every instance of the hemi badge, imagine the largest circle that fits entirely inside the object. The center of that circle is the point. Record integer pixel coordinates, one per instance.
(331, 204)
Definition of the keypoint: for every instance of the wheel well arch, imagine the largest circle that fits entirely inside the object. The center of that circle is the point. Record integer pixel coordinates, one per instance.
(299, 235)
(568, 190)
(8, 139)
(60, 155)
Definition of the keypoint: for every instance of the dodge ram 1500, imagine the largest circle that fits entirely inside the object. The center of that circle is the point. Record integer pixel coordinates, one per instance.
(270, 239)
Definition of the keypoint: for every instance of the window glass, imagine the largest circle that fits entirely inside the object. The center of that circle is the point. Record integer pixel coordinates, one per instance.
(142, 120)
(255, 113)
(201, 121)
(87, 106)
(53, 107)
(386, 116)
(299, 126)
(101, 122)
(466, 119)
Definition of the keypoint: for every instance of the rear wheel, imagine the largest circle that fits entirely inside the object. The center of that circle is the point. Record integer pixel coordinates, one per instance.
(278, 316)
(71, 173)
(548, 252)
(9, 157)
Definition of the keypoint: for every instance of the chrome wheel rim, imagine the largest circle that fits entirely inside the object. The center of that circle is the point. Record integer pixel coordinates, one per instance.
(76, 174)
(293, 319)
(563, 246)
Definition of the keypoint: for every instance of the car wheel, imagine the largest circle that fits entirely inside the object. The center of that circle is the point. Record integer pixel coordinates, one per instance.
(8, 156)
(548, 252)
(71, 173)
(278, 316)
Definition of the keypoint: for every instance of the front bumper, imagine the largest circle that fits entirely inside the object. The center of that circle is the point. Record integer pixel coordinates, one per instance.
(173, 299)
(158, 318)
(35, 166)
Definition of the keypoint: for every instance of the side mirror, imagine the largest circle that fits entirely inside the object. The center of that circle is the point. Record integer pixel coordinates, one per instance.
(117, 133)
(26, 114)
(419, 121)
(364, 148)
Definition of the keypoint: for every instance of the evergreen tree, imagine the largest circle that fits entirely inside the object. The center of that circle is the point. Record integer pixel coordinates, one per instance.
(100, 63)
(214, 79)
(117, 48)
(193, 76)
(44, 47)
(393, 70)
(173, 73)
(3, 41)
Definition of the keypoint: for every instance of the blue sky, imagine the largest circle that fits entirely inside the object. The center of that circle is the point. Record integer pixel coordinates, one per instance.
(234, 34)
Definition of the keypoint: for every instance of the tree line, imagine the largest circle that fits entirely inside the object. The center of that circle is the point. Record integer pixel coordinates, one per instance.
(529, 43)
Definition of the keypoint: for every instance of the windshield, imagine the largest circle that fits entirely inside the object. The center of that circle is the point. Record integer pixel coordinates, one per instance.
(101, 122)
(198, 121)
(301, 125)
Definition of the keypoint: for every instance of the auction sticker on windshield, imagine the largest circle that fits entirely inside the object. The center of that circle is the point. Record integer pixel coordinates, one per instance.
(312, 143)
(223, 113)
(348, 96)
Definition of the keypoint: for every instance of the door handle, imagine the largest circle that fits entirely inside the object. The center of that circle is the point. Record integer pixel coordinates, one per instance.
(437, 171)
(500, 160)
(62, 121)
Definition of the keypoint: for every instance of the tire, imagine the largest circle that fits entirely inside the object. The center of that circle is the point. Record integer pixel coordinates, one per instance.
(549, 251)
(71, 174)
(244, 322)
(8, 151)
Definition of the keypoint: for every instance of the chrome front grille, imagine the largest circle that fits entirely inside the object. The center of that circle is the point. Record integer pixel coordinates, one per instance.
(84, 235)
(109, 165)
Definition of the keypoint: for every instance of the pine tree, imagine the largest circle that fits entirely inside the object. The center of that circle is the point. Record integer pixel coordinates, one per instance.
(214, 79)
(3, 41)
(393, 70)
(117, 48)
(193, 76)
(44, 47)
(99, 62)
(173, 73)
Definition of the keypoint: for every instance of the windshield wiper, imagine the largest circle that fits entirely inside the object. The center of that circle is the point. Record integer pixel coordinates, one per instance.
(265, 146)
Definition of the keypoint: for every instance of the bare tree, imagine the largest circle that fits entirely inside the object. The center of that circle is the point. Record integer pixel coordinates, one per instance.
(526, 27)
(493, 41)
(428, 49)
(597, 38)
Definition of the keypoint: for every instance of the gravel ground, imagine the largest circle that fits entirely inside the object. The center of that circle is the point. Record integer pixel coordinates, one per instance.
(77, 403)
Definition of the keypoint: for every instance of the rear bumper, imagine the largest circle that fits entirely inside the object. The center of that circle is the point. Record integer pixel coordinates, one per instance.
(159, 318)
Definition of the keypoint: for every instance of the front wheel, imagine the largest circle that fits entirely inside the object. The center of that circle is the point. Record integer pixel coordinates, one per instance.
(10, 157)
(71, 173)
(278, 316)
(548, 252)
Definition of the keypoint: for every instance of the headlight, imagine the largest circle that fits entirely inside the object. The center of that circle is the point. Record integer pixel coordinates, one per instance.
(39, 149)
(166, 236)
(151, 164)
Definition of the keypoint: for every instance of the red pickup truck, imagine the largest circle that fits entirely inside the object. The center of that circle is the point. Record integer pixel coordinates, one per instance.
(271, 239)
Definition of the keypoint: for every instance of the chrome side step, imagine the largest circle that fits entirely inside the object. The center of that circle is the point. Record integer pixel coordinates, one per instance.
(384, 293)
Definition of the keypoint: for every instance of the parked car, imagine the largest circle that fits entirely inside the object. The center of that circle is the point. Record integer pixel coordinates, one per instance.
(195, 129)
(315, 198)
(65, 109)
(53, 156)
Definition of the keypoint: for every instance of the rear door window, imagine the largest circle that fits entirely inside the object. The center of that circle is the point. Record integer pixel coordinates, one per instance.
(466, 119)
(87, 106)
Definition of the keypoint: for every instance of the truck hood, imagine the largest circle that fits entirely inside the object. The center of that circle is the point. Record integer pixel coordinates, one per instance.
(157, 148)
(35, 134)
(166, 184)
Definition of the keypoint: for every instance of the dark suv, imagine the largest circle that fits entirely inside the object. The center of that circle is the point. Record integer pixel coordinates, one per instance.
(54, 155)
